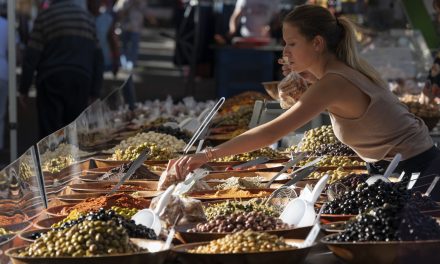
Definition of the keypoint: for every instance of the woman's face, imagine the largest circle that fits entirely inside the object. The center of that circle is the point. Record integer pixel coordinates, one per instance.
(298, 49)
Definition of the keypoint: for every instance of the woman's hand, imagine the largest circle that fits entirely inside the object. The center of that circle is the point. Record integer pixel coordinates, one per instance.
(186, 164)
(285, 68)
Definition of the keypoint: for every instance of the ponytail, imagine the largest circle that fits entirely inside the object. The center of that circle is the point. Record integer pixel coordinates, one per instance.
(346, 51)
(339, 33)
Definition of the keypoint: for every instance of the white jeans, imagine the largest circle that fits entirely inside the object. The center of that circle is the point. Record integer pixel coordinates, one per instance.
(3, 101)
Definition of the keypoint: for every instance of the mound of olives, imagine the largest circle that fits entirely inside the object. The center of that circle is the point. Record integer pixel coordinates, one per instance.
(391, 223)
(230, 207)
(314, 138)
(244, 242)
(132, 152)
(256, 221)
(240, 118)
(88, 238)
(55, 165)
(333, 149)
(351, 181)
(335, 175)
(366, 196)
(133, 230)
(176, 132)
(335, 161)
(264, 152)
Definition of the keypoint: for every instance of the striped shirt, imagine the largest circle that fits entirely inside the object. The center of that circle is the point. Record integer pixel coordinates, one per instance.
(63, 39)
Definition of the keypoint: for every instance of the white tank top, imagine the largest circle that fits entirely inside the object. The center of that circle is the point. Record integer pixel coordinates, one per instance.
(385, 129)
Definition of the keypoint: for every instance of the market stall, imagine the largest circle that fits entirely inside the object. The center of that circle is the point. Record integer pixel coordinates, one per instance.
(59, 203)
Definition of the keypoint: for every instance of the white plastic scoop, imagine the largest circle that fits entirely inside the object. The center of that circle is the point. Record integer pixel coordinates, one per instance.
(393, 165)
(150, 218)
(300, 212)
(191, 179)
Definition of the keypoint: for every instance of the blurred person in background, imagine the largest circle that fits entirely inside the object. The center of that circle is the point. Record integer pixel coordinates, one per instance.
(132, 14)
(64, 51)
(105, 30)
(3, 71)
(251, 18)
(25, 12)
(254, 16)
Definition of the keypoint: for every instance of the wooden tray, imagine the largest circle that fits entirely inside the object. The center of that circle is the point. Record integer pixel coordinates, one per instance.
(113, 163)
(77, 198)
(48, 222)
(100, 187)
(80, 197)
(269, 167)
(17, 228)
(143, 172)
(72, 169)
(57, 210)
(253, 194)
(194, 237)
(402, 252)
(266, 176)
(296, 256)
(137, 258)
(233, 163)
(361, 169)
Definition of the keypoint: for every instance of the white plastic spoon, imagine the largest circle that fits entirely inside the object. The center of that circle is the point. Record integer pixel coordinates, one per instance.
(191, 179)
(393, 165)
(150, 218)
(300, 212)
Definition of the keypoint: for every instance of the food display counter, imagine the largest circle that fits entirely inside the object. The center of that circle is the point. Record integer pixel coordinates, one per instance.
(59, 204)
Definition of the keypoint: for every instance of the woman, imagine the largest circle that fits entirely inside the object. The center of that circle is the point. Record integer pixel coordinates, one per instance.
(365, 115)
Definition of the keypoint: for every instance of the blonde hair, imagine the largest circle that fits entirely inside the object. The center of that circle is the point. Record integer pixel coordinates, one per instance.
(339, 34)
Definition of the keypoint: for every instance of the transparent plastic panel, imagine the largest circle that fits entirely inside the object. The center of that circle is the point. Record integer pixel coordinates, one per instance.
(398, 54)
(21, 199)
(61, 161)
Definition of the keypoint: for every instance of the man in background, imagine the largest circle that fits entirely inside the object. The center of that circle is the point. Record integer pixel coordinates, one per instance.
(64, 51)
(254, 17)
(132, 14)
(3, 71)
